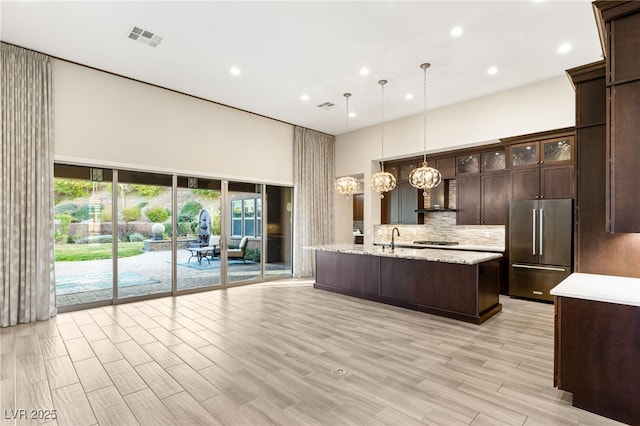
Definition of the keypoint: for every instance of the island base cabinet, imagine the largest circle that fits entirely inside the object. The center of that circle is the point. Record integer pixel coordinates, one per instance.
(597, 351)
(459, 291)
(354, 274)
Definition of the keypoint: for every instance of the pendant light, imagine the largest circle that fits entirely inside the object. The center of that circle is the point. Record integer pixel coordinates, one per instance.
(382, 181)
(347, 185)
(425, 177)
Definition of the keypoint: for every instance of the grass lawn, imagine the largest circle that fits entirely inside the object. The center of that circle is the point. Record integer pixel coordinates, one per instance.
(75, 252)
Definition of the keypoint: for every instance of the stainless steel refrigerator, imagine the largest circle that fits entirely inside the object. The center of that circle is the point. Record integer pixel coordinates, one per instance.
(540, 246)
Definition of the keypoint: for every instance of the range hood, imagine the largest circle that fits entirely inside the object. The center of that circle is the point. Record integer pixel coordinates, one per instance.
(439, 199)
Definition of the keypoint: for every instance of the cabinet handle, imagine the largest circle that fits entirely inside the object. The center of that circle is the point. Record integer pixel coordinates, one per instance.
(541, 226)
(542, 268)
(533, 232)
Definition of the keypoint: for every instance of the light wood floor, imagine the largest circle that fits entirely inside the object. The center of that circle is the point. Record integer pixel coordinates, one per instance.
(284, 354)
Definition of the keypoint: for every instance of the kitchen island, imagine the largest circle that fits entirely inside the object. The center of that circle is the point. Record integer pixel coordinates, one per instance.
(462, 285)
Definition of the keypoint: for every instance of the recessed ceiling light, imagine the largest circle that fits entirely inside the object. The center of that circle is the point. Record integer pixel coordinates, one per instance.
(234, 71)
(564, 48)
(456, 31)
(304, 97)
(364, 71)
(408, 96)
(492, 70)
(352, 114)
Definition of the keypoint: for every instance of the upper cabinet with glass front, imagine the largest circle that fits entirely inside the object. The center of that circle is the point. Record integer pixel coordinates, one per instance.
(549, 151)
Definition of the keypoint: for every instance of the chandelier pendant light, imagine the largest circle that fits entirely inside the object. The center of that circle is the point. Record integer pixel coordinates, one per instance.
(347, 185)
(382, 181)
(425, 177)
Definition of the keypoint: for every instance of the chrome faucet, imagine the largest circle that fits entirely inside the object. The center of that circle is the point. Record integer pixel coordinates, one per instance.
(393, 243)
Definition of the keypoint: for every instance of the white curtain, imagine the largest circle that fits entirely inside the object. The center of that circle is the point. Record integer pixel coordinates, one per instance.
(27, 289)
(313, 176)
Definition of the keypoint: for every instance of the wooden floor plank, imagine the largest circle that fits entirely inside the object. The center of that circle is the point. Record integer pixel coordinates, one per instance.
(110, 408)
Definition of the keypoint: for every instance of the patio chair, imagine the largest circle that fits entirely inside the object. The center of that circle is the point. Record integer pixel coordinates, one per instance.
(240, 252)
(214, 243)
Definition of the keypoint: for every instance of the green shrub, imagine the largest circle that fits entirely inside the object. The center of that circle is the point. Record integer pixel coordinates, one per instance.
(60, 237)
(65, 208)
(136, 237)
(71, 239)
(252, 254)
(215, 223)
(106, 215)
(83, 212)
(157, 214)
(191, 210)
(148, 191)
(167, 229)
(65, 221)
(206, 194)
(131, 214)
(187, 228)
(107, 238)
(70, 189)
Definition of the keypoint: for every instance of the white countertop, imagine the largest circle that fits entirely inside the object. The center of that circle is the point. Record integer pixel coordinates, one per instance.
(600, 288)
(429, 254)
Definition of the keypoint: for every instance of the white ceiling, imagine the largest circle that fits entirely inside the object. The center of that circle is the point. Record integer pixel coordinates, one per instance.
(285, 49)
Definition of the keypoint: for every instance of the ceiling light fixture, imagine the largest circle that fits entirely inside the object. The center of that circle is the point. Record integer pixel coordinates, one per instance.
(304, 97)
(408, 96)
(234, 71)
(347, 185)
(456, 31)
(492, 70)
(425, 177)
(382, 181)
(564, 48)
(364, 71)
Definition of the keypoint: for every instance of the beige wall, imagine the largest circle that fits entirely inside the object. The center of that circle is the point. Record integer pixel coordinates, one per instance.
(104, 119)
(545, 105)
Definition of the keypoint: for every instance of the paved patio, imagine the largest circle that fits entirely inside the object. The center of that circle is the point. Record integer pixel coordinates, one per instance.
(155, 266)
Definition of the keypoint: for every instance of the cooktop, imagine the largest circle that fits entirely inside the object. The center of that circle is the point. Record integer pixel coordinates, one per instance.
(437, 243)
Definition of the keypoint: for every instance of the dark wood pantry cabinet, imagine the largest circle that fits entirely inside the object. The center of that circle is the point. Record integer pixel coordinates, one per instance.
(620, 34)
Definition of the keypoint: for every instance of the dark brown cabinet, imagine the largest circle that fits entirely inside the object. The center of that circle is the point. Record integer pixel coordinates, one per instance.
(482, 200)
(399, 205)
(542, 169)
(596, 358)
(446, 167)
(481, 188)
(543, 182)
(622, 35)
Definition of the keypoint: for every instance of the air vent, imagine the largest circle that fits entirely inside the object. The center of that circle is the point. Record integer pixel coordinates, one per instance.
(144, 36)
(327, 105)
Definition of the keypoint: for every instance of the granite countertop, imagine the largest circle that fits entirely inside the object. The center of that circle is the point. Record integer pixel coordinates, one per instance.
(429, 254)
(497, 249)
(600, 288)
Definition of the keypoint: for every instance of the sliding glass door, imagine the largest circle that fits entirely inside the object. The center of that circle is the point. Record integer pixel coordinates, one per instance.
(143, 206)
(123, 235)
(244, 240)
(83, 205)
(279, 214)
(197, 233)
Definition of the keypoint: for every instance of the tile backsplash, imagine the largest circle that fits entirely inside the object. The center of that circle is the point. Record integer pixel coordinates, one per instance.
(441, 226)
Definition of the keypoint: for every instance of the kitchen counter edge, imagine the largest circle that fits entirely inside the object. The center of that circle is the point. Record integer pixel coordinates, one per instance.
(600, 288)
(428, 254)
